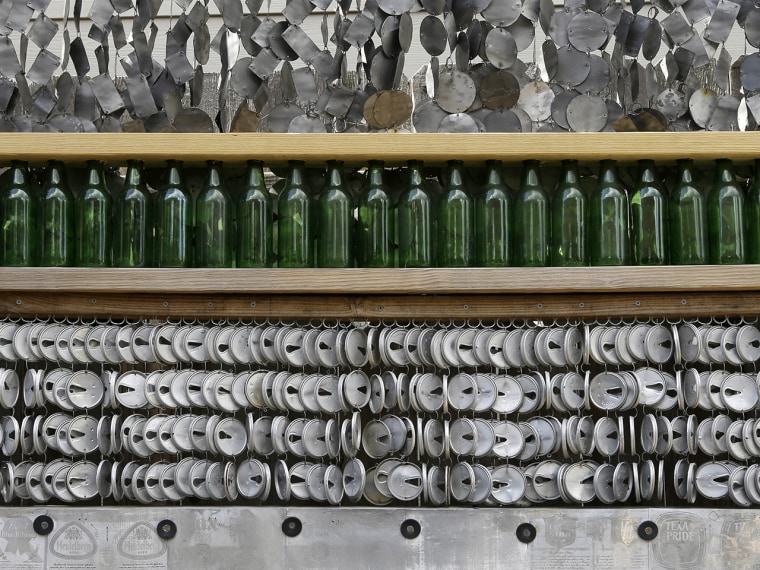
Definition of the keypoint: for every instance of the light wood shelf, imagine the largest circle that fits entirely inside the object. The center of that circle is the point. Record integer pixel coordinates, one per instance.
(394, 148)
(385, 281)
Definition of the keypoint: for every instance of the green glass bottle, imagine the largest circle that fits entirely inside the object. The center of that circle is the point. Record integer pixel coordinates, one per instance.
(753, 217)
(133, 223)
(92, 209)
(608, 213)
(18, 215)
(569, 242)
(255, 220)
(214, 231)
(726, 217)
(294, 219)
(456, 220)
(57, 217)
(493, 220)
(687, 213)
(415, 221)
(649, 218)
(376, 220)
(174, 220)
(335, 229)
(532, 219)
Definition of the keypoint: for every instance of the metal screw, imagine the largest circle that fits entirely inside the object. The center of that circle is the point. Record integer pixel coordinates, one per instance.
(211, 304)
(581, 305)
(648, 530)
(466, 306)
(253, 304)
(540, 305)
(166, 528)
(683, 301)
(18, 301)
(44, 525)
(638, 303)
(380, 308)
(93, 301)
(166, 303)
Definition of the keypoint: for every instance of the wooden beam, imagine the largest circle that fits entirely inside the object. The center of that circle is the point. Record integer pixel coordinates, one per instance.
(385, 281)
(394, 148)
(403, 308)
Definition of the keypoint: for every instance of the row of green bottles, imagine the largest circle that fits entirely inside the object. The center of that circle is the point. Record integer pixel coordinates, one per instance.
(610, 226)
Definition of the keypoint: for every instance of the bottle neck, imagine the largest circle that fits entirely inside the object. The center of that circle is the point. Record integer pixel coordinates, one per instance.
(255, 175)
(134, 178)
(531, 176)
(647, 174)
(376, 173)
(94, 175)
(214, 179)
(724, 172)
(684, 172)
(608, 172)
(456, 174)
(415, 174)
(56, 173)
(335, 174)
(174, 174)
(493, 173)
(296, 175)
(570, 172)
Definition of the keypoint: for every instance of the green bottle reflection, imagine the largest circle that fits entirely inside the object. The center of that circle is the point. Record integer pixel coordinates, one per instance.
(335, 211)
(456, 220)
(532, 218)
(93, 209)
(726, 217)
(608, 213)
(649, 218)
(214, 231)
(687, 212)
(174, 220)
(133, 221)
(57, 216)
(376, 229)
(415, 221)
(18, 215)
(493, 220)
(255, 220)
(294, 219)
(569, 242)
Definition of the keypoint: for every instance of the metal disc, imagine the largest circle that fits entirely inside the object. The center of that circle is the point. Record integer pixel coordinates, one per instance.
(502, 12)
(559, 107)
(433, 36)
(280, 117)
(749, 73)
(458, 123)
(502, 121)
(389, 36)
(501, 48)
(573, 66)
(587, 114)
(392, 109)
(456, 91)
(395, 7)
(536, 100)
(383, 69)
(500, 90)
(752, 27)
(307, 124)
(523, 31)
(598, 77)
(587, 31)
(551, 58)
